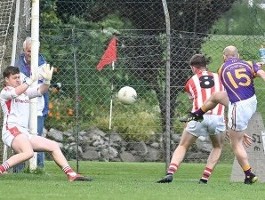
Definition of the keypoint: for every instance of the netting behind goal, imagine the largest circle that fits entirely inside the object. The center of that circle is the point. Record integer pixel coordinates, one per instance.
(6, 8)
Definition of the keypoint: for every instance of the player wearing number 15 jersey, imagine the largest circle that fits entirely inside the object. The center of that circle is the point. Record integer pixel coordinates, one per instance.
(237, 77)
(199, 88)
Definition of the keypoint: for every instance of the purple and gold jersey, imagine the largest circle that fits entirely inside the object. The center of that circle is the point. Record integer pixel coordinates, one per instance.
(237, 77)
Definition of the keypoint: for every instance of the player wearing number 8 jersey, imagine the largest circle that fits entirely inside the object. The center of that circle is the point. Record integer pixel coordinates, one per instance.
(199, 88)
(237, 77)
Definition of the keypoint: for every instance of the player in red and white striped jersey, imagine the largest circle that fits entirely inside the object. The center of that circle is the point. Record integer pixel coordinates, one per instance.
(199, 88)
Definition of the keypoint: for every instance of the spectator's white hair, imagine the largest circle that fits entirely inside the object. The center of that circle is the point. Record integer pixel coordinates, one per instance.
(27, 42)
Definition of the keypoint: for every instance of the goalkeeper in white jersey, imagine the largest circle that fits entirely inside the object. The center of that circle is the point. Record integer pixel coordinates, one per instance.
(15, 101)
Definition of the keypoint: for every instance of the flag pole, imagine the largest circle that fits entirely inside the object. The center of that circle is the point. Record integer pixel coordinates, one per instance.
(109, 57)
(111, 97)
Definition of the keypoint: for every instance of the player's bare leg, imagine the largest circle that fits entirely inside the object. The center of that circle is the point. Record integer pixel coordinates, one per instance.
(237, 144)
(43, 144)
(186, 141)
(217, 143)
(22, 147)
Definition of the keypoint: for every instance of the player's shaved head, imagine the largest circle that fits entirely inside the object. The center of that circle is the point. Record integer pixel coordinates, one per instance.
(230, 52)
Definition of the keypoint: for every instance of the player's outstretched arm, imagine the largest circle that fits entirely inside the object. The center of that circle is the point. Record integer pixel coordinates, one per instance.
(26, 83)
(47, 76)
(261, 73)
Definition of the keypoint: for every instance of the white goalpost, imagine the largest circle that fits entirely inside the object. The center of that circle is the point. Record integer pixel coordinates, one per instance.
(34, 65)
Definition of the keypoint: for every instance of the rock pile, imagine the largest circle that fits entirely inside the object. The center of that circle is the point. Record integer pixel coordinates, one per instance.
(95, 145)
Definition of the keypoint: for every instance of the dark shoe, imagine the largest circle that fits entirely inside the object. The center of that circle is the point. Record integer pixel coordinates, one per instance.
(78, 177)
(203, 181)
(191, 117)
(167, 179)
(251, 179)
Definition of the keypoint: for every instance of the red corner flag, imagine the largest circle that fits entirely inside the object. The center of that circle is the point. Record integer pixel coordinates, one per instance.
(109, 56)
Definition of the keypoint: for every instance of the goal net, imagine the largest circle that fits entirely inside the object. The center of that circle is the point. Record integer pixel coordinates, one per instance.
(6, 8)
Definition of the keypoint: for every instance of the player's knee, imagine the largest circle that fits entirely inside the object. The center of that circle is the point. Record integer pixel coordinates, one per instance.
(55, 145)
(29, 154)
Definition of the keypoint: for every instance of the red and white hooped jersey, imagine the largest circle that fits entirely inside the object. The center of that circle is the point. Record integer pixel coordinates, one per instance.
(201, 86)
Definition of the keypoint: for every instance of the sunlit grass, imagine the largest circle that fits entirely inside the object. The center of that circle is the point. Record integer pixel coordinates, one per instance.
(127, 181)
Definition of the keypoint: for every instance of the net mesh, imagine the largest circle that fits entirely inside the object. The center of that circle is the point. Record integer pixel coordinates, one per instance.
(6, 7)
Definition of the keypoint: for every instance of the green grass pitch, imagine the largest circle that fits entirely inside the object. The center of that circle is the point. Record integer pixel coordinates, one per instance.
(117, 180)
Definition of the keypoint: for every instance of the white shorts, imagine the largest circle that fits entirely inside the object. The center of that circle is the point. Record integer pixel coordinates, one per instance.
(239, 113)
(211, 125)
(8, 135)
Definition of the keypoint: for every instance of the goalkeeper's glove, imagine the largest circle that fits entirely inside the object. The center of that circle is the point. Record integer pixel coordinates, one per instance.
(33, 77)
(46, 73)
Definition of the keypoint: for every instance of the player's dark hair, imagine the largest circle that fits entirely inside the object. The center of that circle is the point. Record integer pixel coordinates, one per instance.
(10, 70)
(198, 61)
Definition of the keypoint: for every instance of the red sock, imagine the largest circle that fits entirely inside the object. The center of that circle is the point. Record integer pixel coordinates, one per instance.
(4, 167)
(206, 173)
(69, 171)
(172, 168)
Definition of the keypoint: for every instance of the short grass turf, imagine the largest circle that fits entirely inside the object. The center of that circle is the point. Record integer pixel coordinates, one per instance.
(117, 180)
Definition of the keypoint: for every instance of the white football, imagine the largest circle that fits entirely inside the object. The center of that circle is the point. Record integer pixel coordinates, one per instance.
(127, 95)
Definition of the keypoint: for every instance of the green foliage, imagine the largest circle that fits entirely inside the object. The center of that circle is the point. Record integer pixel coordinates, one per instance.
(48, 16)
(61, 112)
(184, 106)
(241, 19)
(114, 20)
(134, 122)
(248, 47)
